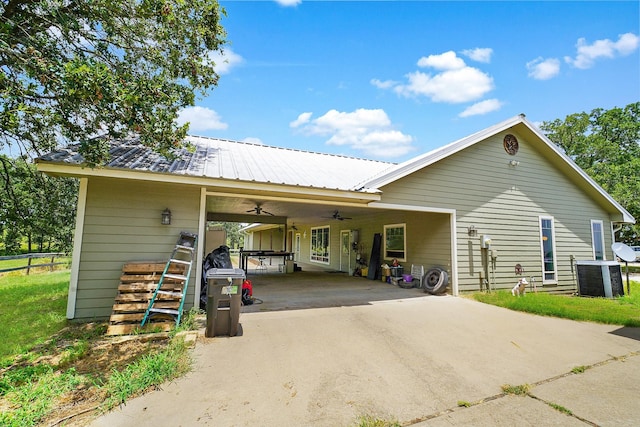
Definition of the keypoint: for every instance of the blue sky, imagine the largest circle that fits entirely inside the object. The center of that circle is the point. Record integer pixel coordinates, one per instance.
(392, 80)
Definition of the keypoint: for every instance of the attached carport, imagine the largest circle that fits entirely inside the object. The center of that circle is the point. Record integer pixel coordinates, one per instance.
(295, 214)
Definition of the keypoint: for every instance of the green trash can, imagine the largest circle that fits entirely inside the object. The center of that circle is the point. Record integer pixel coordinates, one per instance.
(224, 299)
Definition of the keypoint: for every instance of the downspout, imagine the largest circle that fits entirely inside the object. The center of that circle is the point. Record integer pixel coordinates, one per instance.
(77, 248)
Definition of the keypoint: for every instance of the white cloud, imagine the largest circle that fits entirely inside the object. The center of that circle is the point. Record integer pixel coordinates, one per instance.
(455, 82)
(225, 61)
(366, 130)
(201, 119)
(543, 69)
(288, 3)
(453, 86)
(302, 119)
(482, 107)
(445, 61)
(387, 84)
(589, 53)
(480, 54)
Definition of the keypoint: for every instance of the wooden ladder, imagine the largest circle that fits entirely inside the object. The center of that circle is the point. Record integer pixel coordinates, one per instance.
(182, 255)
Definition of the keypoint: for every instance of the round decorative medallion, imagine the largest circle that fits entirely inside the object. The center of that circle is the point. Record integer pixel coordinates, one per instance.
(510, 144)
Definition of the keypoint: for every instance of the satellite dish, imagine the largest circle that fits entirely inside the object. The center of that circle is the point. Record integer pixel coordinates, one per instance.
(624, 252)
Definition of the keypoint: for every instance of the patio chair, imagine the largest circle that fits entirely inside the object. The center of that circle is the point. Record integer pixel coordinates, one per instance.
(261, 267)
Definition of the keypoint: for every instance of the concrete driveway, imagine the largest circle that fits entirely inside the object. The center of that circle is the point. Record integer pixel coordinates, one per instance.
(398, 355)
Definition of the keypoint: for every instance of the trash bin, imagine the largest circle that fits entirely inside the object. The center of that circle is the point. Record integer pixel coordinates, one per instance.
(224, 297)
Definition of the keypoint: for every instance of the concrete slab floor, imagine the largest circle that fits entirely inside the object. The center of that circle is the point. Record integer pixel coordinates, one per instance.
(320, 289)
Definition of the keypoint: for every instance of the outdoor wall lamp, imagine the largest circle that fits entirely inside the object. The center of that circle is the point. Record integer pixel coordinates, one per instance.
(166, 217)
(471, 231)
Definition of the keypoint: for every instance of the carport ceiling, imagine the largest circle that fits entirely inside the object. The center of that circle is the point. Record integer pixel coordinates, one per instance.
(294, 212)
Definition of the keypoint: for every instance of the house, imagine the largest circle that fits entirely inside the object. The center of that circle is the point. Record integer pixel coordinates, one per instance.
(490, 208)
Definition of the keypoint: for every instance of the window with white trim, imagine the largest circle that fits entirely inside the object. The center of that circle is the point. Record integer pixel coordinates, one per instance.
(548, 250)
(320, 244)
(597, 239)
(395, 242)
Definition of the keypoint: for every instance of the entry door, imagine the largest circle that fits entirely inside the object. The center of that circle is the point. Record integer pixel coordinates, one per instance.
(296, 251)
(345, 250)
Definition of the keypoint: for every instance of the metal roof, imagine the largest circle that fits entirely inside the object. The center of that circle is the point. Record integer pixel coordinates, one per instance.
(250, 162)
(224, 159)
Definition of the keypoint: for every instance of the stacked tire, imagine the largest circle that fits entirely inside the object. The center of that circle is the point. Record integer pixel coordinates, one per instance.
(435, 281)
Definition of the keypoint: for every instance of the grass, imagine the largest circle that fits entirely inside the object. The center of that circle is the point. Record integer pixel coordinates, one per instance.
(518, 390)
(47, 361)
(579, 369)
(33, 309)
(148, 371)
(370, 421)
(560, 408)
(617, 311)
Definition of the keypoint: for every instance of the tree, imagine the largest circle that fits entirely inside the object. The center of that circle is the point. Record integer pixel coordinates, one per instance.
(71, 70)
(606, 145)
(36, 207)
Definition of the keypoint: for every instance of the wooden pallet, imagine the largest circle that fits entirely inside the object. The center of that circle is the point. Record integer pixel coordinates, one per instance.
(137, 283)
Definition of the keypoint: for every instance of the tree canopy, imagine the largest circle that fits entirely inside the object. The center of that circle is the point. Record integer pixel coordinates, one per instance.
(71, 70)
(606, 145)
(36, 208)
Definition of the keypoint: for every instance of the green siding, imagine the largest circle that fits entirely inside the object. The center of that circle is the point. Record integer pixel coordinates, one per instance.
(505, 202)
(122, 224)
(428, 238)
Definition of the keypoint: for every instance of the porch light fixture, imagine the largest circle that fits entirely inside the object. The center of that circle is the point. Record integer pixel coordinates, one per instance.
(166, 217)
(471, 231)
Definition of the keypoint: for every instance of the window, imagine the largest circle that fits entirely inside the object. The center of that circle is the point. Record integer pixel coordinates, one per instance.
(597, 239)
(320, 244)
(547, 246)
(395, 242)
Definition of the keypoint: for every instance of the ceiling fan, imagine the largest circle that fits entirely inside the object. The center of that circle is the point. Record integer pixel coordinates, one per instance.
(336, 215)
(258, 210)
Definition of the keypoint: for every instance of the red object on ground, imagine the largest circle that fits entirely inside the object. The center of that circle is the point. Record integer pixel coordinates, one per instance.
(248, 285)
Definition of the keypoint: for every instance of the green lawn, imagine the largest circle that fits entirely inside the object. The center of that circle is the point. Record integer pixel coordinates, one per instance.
(33, 309)
(619, 311)
(39, 380)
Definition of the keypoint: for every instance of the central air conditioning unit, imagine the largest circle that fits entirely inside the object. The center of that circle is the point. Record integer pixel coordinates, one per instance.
(599, 279)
